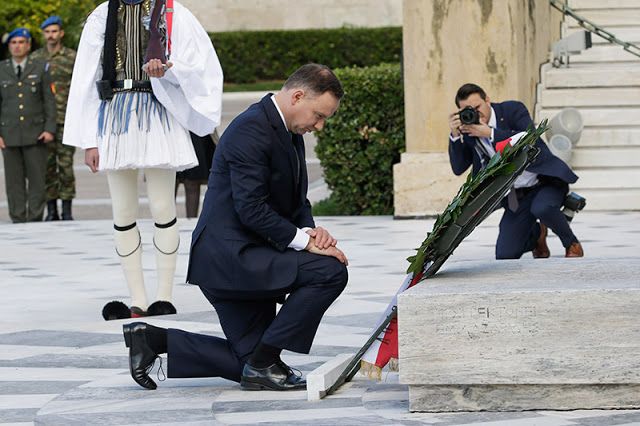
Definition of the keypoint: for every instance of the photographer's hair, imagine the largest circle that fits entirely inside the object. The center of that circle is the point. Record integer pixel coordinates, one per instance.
(316, 79)
(467, 90)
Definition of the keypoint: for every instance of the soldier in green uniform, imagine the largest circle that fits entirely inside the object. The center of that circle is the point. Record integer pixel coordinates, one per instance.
(60, 180)
(27, 123)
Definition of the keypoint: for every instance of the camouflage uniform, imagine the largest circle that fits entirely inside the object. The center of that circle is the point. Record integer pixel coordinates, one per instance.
(60, 180)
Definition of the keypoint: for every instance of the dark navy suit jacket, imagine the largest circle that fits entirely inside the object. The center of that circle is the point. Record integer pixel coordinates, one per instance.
(512, 117)
(255, 201)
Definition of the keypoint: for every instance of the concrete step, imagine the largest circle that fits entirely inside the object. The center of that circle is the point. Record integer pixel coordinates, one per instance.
(601, 116)
(608, 199)
(584, 157)
(585, 75)
(600, 4)
(608, 178)
(590, 97)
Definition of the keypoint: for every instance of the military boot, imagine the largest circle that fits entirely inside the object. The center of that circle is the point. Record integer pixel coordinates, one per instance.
(66, 210)
(52, 211)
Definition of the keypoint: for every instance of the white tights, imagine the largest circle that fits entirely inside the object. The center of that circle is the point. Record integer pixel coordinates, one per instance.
(123, 186)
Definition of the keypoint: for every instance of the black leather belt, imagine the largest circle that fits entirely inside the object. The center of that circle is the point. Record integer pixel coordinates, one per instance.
(523, 192)
(139, 85)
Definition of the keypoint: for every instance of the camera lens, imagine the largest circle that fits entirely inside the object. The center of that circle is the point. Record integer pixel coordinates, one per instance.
(468, 115)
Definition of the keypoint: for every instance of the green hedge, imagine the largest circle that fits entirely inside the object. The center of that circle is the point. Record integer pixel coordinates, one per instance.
(360, 143)
(32, 13)
(251, 56)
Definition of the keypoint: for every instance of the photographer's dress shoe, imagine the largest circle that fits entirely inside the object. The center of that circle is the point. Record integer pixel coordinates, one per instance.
(541, 251)
(575, 250)
(278, 376)
(141, 356)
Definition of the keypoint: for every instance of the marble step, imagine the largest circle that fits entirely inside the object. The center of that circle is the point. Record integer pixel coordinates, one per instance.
(607, 199)
(578, 5)
(584, 75)
(583, 157)
(606, 53)
(609, 17)
(628, 34)
(610, 137)
(608, 178)
(589, 97)
(601, 116)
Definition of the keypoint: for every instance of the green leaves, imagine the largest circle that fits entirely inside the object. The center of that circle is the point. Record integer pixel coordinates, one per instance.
(360, 144)
(253, 56)
(499, 164)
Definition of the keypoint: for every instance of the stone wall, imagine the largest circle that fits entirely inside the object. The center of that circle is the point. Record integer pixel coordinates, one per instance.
(225, 15)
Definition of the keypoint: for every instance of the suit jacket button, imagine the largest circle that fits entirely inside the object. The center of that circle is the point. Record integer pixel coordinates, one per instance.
(21, 118)
(19, 83)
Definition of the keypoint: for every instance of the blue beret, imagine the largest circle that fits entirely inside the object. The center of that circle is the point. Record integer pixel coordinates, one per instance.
(20, 32)
(52, 20)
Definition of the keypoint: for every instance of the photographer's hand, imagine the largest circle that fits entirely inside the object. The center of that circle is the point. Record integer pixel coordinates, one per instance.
(481, 130)
(454, 124)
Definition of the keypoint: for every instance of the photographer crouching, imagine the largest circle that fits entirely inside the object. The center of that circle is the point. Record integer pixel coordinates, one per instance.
(535, 201)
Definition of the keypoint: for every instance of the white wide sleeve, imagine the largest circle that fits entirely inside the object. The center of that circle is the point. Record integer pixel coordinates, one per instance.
(191, 90)
(83, 104)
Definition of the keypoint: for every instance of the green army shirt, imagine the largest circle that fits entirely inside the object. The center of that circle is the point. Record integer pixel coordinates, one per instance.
(60, 70)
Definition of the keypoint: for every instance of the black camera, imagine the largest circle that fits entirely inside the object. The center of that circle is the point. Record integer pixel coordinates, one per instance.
(469, 115)
(573, 203)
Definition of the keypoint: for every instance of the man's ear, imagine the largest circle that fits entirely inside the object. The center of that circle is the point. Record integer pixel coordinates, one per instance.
(61, 33)
(487, 101)
(297, 96)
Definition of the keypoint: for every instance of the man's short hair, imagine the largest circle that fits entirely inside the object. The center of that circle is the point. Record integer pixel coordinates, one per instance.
(467, 90)
(316, 79)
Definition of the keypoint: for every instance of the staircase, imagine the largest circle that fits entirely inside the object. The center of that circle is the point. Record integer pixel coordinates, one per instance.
(603, 83)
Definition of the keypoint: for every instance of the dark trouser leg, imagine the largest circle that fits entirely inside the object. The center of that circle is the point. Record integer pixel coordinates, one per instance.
(15, 183)
(35, 159)
(192, 197)
(320, 281)
(198, 355)
(546, 205)
(519, 230)
(51, 174)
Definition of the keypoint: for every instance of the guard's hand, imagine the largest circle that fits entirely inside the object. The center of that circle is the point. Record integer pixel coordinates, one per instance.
(322, 238)
(154, 68)
(331, 251)
(92, 159)
(46, 137)
(481, 130)
(2, 145)
(454, 124)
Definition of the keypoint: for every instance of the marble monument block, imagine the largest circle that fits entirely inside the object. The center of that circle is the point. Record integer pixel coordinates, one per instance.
(510, 335)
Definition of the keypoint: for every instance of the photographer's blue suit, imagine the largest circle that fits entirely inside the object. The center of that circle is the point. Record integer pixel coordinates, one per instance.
(519, 230)
(255, 201)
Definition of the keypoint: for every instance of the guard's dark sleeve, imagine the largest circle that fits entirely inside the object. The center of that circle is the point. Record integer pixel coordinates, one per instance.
(49, 100)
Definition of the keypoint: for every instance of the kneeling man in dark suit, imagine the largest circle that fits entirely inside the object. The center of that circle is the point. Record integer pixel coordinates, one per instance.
(534, 203)
(255, 244)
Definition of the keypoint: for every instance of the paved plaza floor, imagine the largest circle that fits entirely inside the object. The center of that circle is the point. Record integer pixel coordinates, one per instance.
(62, 364)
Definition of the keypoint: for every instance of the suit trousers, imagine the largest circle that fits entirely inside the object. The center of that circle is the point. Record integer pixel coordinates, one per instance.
(519, 230)
(247, 322)
(24, 173)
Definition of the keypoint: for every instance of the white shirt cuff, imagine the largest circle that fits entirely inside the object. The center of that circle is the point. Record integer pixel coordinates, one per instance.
(452, 139)
(301, 239)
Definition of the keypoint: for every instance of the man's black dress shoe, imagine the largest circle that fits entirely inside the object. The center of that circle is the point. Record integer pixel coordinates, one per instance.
(278, 376)
(141, 356)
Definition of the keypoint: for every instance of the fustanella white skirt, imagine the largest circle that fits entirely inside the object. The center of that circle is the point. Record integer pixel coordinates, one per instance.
(135, 132)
